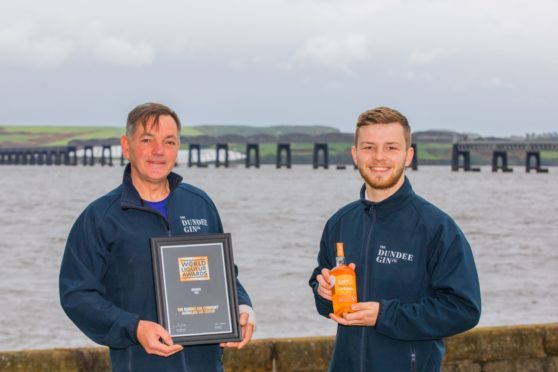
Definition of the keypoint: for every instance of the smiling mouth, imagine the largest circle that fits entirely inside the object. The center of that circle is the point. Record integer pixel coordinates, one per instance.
(379, 169)
(153, 162)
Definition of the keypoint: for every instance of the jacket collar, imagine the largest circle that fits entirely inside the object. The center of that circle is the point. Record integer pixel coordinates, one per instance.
(400, 198)
(130, 196)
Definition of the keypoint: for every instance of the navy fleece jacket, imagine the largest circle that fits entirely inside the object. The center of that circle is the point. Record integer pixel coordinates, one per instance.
(106, 277)
(413, 259)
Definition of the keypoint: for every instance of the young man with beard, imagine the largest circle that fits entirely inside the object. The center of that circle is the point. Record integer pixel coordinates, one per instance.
(416, 277)
(106, 277)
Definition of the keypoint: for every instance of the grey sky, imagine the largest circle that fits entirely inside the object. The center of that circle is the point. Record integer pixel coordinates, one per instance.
(489, 67)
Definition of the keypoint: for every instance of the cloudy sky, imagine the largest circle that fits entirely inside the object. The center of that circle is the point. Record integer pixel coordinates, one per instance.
(489, 67)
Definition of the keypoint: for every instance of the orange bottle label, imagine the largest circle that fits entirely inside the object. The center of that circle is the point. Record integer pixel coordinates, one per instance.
(345, 288)
(344, 291)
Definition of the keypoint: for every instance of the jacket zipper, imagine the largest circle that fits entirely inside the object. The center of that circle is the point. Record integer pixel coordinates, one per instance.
(371, 213)
(129, 354)
(166, 225)
(413, 359)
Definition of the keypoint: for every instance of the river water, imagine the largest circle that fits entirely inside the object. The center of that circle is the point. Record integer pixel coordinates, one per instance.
(276, 219)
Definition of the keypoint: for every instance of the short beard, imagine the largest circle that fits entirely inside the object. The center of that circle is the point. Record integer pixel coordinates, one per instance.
(381, 184)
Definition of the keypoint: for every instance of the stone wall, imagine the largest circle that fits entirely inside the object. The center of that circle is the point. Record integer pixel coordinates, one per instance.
(529, 348)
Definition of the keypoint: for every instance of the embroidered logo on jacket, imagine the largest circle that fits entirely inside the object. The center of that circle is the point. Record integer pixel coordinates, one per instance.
(192, 225)
(388, 257)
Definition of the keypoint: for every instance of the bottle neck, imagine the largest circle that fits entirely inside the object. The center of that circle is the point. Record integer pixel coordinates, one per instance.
(340, 261)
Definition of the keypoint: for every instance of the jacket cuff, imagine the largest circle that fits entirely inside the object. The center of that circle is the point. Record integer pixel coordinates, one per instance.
(251, 314)
(134, 327)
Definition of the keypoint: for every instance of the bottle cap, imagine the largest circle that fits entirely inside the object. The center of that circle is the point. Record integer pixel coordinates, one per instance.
(340, 251)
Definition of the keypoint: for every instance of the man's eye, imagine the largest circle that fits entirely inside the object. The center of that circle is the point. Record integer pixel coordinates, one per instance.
(171, 143)
(145, 140)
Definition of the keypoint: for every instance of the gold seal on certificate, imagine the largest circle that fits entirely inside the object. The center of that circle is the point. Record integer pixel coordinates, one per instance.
(195, 286)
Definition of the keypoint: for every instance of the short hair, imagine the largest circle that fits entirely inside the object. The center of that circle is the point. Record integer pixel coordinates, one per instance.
(383, 115)
(143, 113)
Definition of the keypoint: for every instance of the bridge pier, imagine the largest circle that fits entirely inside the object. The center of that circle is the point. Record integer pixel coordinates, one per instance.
(197, 148)
(10, 157)
(33, 157)
(503, 155)
(71, 156)
(103, 159)
(51, 157)
(256, 148)
(86, 149)
(280, 148)
(43, 156)
(13, 158)
(321, 147)
(64, 157)
(466, 155)
(24, 157)
(21, 158)
(414, 162)
(218, 148)
(537, 167)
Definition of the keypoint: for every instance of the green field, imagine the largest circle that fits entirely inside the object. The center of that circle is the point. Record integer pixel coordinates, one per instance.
(28, 136)
(274, 130)
(433, 151)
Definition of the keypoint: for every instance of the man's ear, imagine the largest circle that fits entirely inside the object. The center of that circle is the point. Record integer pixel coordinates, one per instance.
(410, 154)
(124, 143)
(354, 154)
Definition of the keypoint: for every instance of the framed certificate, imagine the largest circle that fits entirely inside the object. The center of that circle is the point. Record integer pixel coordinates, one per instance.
(195, 288)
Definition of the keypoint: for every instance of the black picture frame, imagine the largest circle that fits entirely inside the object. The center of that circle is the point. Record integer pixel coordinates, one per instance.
(195, 288)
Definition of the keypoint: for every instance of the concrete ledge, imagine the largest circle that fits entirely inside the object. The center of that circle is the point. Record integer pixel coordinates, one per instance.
(257, 356)
(94, 359)
(490, 349)
(497, 343)
(309, 354)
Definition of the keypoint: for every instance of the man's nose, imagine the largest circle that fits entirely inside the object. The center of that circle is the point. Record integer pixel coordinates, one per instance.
(157, 147)
(379, 154)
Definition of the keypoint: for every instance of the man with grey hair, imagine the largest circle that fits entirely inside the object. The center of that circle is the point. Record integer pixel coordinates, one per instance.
(106, 278)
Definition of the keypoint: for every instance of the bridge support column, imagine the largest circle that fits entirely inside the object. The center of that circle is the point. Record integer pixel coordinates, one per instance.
(197, 148)
(43, 156)
(256, 148)
(6, 157)
(20, 158)
(466, 155)
(88, 149)
(537, 167)
(503, 155)
(414, 162)
(64, 157)
(218, 148)
(103, 159)
(35, 154)
(24, 156)
(321, 147)
(58, 154)
(280, 148)
(71, 155)
(51, 157)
